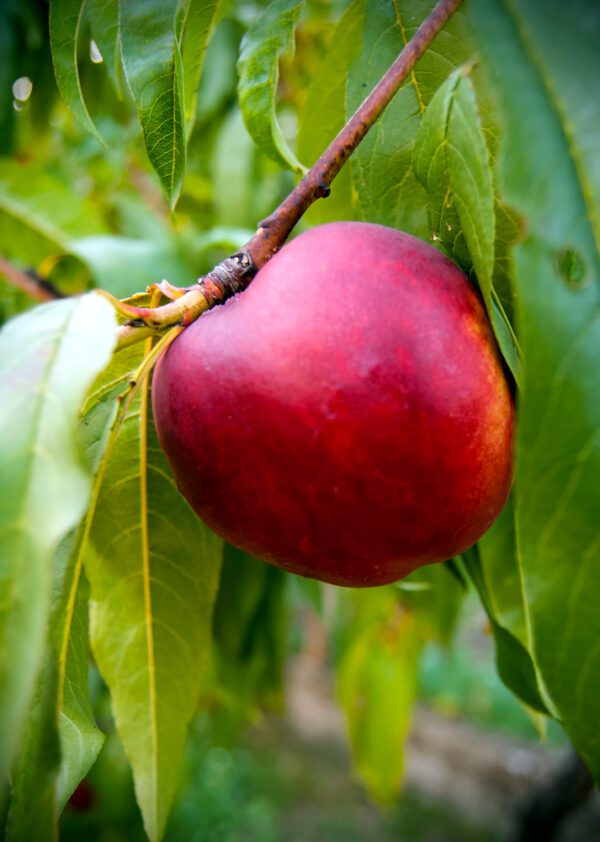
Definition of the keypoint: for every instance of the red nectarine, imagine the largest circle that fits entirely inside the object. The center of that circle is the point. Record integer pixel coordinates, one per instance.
(347, 417)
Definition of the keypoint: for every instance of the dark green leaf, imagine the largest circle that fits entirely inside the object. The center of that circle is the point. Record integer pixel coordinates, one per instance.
(49, 357)
(33, 810)
(104, 22)
(251, 651)
(550, 170)
(154, 70)
(270, 35)
(514, 662)
(65, 26)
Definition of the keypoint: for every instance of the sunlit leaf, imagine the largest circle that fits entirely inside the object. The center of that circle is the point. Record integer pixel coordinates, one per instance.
(153, 570)
(377, 684)
(49, 357)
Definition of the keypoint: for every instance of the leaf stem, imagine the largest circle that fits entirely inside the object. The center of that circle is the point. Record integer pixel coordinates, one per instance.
(235, 272)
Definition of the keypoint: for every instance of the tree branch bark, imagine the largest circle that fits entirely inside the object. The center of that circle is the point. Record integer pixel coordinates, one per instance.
(29, 282)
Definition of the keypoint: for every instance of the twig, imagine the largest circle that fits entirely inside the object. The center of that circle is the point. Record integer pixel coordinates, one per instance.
(236, 272)
(29, 282)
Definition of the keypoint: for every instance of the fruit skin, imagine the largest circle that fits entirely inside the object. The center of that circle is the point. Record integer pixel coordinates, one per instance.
(347, 417)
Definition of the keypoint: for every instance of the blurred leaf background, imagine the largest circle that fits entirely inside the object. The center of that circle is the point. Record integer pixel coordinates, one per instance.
(490, 151)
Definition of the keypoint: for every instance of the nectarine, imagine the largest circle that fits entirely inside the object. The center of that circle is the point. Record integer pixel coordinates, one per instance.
(347, 417)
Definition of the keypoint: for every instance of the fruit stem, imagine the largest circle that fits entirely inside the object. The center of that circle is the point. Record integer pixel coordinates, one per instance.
(235, 272)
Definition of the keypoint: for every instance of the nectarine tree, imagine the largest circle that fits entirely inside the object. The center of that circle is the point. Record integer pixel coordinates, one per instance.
(398, 366)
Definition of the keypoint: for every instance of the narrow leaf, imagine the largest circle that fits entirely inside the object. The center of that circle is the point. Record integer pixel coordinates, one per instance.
(48, 358)
(514, 661)
(153, 571)
(65, 26)
(451, 160)
(250, 652)
(555, 186)
(271, 35)
(50, 764)
(199, 21)
(377, 682)
(33, 813)
(153, 67)
(104, 22)
(435, 594)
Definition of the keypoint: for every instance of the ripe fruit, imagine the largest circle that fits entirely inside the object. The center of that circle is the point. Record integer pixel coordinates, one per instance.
(346, 417)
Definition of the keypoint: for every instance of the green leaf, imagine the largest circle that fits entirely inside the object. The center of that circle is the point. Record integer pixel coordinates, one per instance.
(49, 357)
(153, 570)
(33, 813)
(199, 21)
(104, 22)
(326, 96)
(151, 55)
(377, 683)
(9, 48)
(382, 172)
(514, 661)
(435, 594)
(451, 160)
(51, 763)
(123, 265)
(65, 26)
(218, 81)
(251, 651)
(502, 574)
(39, 787)
(246, 183)
(80, 739)
(555, 186)
(270, 35)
